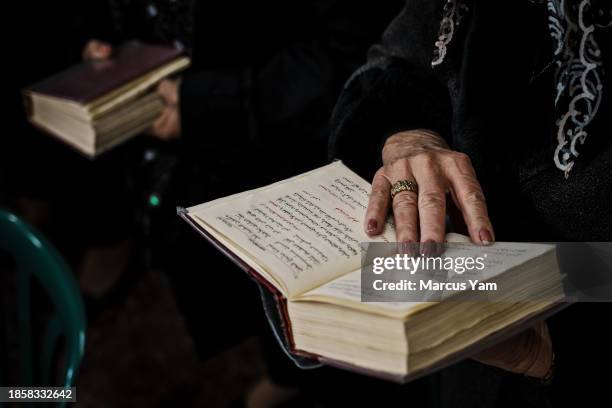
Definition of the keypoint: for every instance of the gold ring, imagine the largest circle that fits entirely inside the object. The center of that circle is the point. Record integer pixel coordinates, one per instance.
(403, 185)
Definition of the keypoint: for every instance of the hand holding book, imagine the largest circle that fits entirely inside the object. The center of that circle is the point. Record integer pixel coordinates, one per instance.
(167, 126)
(301, 239)
(423, 157)
(529, 353)
(109, 98)
(97, 50)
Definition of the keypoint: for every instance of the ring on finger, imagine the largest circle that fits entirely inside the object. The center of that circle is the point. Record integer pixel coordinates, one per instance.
(404, 185)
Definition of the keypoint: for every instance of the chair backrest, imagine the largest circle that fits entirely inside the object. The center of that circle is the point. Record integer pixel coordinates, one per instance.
(35, 258)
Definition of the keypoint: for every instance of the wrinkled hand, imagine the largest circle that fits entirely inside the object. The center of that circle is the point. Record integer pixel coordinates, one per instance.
(529, 353)
(96, 50)
(168, 125)
(424, 157)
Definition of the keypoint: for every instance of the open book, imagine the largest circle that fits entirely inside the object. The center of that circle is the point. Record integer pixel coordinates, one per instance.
(303, 239)
(96, 105)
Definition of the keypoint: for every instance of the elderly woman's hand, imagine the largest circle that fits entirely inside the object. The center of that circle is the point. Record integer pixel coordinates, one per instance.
(97, 50)
(529, 353)
(423, 157)
(168, 124)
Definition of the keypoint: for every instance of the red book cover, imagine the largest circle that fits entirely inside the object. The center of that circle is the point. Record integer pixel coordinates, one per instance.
(89, 80)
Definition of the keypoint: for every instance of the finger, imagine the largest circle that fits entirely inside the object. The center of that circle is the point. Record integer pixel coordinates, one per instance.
(97, 50)
(159, 123)
(167, 89)
(470, 199)
(378, 204)
(103, 51)
(87, 50)
(176, 123)
(405, 210)
(431, 200)
(168, 130)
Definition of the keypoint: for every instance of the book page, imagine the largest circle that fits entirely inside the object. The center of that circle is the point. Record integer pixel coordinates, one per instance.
(346, 291)
(304, 231)
(497, 259)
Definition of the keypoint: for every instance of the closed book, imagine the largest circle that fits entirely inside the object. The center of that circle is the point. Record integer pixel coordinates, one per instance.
(97, 104)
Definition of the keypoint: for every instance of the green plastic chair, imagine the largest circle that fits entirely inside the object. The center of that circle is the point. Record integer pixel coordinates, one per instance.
(36, 258)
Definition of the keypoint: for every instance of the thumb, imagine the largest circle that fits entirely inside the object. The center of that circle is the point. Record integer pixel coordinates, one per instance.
(97, 50)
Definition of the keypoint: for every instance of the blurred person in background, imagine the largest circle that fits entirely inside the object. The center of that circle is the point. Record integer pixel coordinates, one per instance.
(253, 108)
(50, 185)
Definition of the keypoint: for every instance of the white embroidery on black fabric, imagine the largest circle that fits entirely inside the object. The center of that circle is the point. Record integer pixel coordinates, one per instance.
(578, 58)
(578, 76)
(453, 13)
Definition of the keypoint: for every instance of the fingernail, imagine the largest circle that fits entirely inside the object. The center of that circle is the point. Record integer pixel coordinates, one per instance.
(438, 248)
(372, 226)
(428, 248)
(408, 248)
(485, 237)
(431, 248)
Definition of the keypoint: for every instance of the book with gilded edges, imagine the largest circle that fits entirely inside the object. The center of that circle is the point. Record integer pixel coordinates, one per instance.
(96, 105)
(302, 240)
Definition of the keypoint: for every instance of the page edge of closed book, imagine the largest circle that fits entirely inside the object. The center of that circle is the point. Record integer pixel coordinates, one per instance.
(90, 155)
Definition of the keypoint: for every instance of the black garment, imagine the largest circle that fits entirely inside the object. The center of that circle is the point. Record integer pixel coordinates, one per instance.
(261, 115)
(265, 78)
(493, 98)
(255, 105)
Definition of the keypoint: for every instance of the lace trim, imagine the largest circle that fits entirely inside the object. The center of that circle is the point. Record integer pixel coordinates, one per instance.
(453, 13)
(578, 58)
(578, 76)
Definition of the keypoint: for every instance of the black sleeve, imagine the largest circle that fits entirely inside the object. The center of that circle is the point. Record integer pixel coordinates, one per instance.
(212, 100)
(309, 69)
(397, 89)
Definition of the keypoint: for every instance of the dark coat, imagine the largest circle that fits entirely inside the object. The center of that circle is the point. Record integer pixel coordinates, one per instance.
(492, 98)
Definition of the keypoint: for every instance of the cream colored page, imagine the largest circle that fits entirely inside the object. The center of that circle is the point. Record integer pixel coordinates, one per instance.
(346, 290)
(305, 231)
(348, 287)
(498, 258)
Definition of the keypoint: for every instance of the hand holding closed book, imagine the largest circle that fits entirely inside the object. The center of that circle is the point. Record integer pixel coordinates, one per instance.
(529, 353)
(167, 126)
(97, 50)
(108, 98)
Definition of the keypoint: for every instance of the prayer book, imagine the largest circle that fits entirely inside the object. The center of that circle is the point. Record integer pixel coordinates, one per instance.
(303, 240)
(96, 105)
